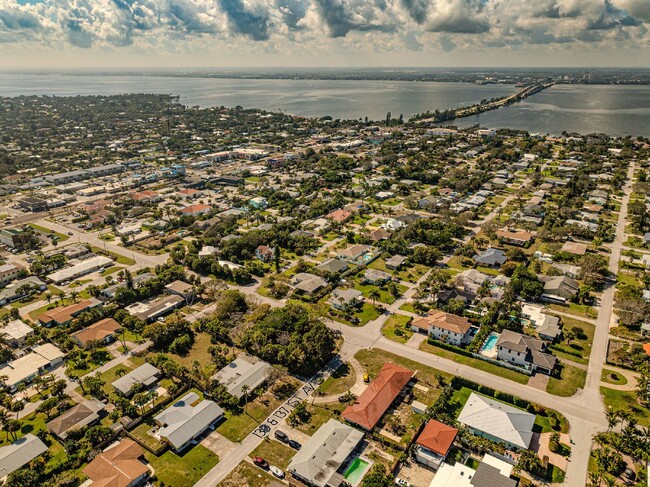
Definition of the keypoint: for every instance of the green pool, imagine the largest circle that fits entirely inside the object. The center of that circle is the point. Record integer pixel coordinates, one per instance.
(355, 471)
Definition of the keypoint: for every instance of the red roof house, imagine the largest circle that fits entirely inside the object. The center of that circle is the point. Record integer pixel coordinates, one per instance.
(377, 398)
(434, 443)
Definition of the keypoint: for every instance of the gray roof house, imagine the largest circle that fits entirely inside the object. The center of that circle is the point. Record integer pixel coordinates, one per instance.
(374, 276)
(186, 420)
(245, 370)
(20, 453)
(318, 461)
(561, 286)
(395, 262)
(344, 298)
(333, 265)
(76, 417)
(307, 283)
(146, 374)
(497, 421)
(525, 351)
(491, 258)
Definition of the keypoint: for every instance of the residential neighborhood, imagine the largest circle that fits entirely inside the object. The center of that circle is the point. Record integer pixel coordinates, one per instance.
(234, 297)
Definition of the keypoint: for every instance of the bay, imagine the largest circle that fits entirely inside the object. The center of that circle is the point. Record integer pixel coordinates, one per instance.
(616, 110)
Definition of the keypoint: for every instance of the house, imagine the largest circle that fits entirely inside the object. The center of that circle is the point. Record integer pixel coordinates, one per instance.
(428, 202)
(20, 453)
(9, 272)
(146, 197)
(83, 414)
(307, 283)
(646, 238)
(181, 288)
(80, 269)
(264, 253)
(446, 327)
(371, 405)
(491, 257)
(20, 289)
(146, 375)
(186, 420)
(245, 370)
(561, 286)
(491, 472)
(376, 277)
(190, 194)
(525, 351)
(572, 271)
(119, 465)
(103, 331)
(378, 234)
(575, 248)
(196, 210)
(26, 368)
(434, 442)
(395, 262)
(355, 254)
(344, 299)
(152, 309)
(16, 332)
(258, 202)
(520, 238)
(547, 326)
(446, 295)
(109, 292)
(318, 462)
(497, 421)
(393, 224)
(332, 266)
(339, 216)
(645, 329)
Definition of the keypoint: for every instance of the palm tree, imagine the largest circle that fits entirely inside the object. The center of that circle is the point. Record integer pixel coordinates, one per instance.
(613, 418)
(120, 371)
(374, 295)
(74, 295)
(48, 296)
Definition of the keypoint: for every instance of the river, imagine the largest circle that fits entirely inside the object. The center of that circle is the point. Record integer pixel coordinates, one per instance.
(615, 110)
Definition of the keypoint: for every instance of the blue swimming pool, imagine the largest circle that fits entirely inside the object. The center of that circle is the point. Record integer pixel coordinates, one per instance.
(490, 343)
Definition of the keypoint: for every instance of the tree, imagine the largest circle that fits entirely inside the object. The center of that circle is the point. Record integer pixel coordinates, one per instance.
(276, 251)
(374, 295)
(244, 390)
(529, 461)
(377, 477)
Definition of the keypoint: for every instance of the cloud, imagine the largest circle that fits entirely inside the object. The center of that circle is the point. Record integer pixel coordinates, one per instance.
(289, 26)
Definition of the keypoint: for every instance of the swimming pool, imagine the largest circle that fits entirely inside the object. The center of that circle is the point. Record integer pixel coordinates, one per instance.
(488, 348)
(356, 470)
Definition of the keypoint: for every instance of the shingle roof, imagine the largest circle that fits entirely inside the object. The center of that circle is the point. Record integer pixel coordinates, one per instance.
(375, 400)
(97, 331)
(19, 453)
(118, 466)
(444, 321)
(76, 417)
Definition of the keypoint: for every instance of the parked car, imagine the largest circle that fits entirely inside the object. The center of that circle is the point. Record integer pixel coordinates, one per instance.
(70, 233)
(260, 462)
(282, 436)
(294, 444)
(366, 377)
(276, 471)
(402, 482)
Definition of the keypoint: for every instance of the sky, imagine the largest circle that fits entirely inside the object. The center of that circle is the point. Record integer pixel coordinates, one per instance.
(311, 33)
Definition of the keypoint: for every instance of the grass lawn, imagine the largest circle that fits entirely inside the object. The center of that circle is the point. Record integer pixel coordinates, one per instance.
(572, 380)
(399, 324)
(407, 273)
(111, 270)
(374, 359)
(613, 377)
(319, 415)
(182, 470)
(140, 432)
(580, 310)
(119, 258)
(580, 348)
(476, 363)
(340, 381)
(198, 352)
(366, 313)
(274, 452)
(237, 426)
(111, 374)
(384, 295)
(246, 474)
(407, 307)
(92, 364)
(626, 401)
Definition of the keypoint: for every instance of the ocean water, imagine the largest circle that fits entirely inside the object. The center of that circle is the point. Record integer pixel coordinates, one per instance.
(614, 110)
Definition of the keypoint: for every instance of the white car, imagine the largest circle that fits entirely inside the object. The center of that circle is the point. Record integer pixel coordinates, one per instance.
(402, 482)
(276, 471)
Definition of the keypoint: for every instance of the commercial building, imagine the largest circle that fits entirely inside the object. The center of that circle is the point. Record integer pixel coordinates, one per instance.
(80, 269)
(9, 272)
(14, 238)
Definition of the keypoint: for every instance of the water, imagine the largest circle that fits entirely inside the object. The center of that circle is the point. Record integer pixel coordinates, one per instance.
(310, 98)
(614, 110)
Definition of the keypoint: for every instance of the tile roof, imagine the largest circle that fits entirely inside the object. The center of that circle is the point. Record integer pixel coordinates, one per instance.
(118, 466)
(376, 399)
(97, 331)
(437, 437)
